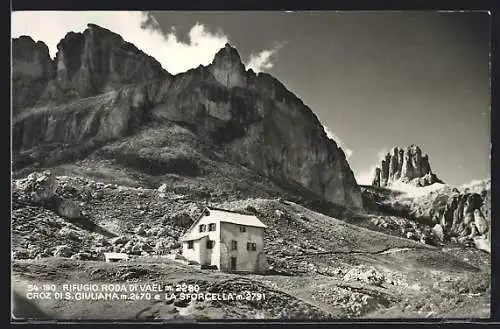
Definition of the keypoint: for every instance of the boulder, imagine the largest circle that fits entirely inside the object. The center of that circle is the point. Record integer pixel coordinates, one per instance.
(438, 232)
(141, 229)
(102, 242)
(37, 187)
(68, 209)
(69, 233)
(482, 243)
(136, 249)
(146, 246)
(68, 190)
(119, 240)
(98, 195)
(365, 274)
(128, 246)
(63, 251)
(251, 209)
(162, 188)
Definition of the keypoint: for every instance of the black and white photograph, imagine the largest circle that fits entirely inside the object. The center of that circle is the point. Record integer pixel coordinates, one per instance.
(250, 165)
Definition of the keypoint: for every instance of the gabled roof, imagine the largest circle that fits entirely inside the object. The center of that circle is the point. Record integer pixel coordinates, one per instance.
(236, 218)
(227, 216)
(193, 236)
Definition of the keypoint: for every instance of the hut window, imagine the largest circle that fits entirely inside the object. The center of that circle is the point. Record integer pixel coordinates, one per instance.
(211, 227)
(190, 245)
(243, 228)
(251, 246)
(210, 244)
(203, 228)
(234, 245)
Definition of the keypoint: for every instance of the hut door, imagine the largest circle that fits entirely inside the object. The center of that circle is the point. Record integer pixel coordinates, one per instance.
(233, 263)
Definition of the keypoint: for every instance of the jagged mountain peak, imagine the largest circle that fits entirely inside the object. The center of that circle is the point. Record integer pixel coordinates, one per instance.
(228, 68)
(228, 53)
(105, 89)
(405, 165)
(93, 31)
(24, 46)
(95, 27)
(26, 39)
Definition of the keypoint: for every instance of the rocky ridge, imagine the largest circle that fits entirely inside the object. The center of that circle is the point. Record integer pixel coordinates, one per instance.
(218, 130)
(350, 273)
(86, 64)
(456, 215)
(100, 88)
(461, 215)
(404, 165)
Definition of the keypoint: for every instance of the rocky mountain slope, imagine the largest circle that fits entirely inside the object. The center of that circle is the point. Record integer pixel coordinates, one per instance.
(460, 215)
(406, 166)
(113, 153)
(320, 267)
(103, 98)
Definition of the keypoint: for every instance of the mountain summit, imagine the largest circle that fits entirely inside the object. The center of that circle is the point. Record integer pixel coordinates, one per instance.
(405, 165)
(227, 67)
(102, 98)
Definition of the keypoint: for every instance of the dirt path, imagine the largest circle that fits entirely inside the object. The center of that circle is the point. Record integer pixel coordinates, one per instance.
(418, 287)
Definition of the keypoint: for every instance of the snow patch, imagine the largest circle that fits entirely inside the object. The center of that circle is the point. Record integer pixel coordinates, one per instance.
(477, 183)
(415, 191)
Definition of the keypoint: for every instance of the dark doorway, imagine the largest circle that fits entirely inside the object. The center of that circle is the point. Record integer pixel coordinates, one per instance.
(233, 263)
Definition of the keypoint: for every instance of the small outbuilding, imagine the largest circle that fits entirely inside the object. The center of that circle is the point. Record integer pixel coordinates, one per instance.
(115, 257)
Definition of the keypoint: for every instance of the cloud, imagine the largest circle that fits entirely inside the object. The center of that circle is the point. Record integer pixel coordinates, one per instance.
(140, 28)
(347, 151)
(365, 177)
(383, 152)
(265, 59)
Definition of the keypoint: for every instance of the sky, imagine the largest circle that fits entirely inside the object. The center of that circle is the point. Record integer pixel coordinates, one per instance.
(375, 80)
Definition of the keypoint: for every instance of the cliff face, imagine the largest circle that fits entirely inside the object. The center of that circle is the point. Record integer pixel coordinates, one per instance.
(32, 69)
(97, 88)
(86, 64)
(100, 88)
(463, 215)
(405, 165)
(459, 214)
(97, 61)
